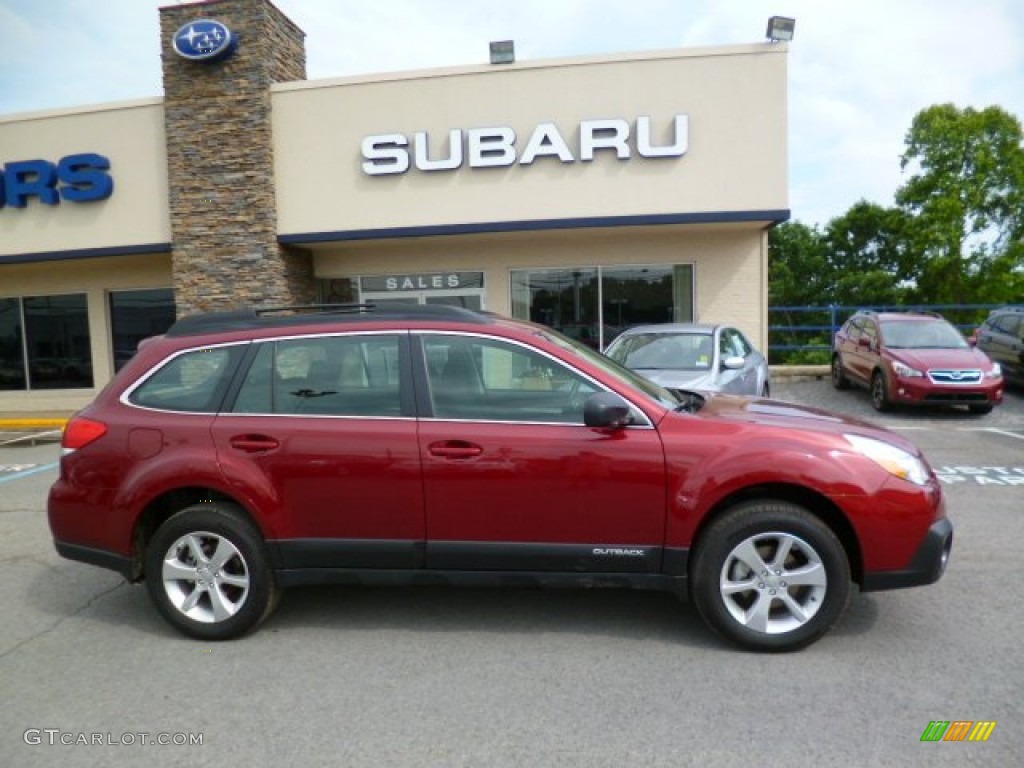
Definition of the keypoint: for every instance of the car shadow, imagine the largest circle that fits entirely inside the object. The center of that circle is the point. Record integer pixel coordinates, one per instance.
(649, 616)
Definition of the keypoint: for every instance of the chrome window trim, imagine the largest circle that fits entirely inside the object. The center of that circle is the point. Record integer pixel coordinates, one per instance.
(124, 398)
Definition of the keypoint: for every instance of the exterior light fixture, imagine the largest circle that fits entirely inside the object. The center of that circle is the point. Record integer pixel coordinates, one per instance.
(503, 52)
(780, 29)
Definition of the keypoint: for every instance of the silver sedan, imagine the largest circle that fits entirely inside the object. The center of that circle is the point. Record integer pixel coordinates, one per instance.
(718, 358)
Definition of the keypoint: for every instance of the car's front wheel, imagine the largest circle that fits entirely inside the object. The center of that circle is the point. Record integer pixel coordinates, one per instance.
(207, 572)
(770, 576)
(879, 392)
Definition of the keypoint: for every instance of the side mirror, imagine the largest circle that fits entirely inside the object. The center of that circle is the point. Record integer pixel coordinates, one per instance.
(606, 410)
(864, 341)
(733, 363)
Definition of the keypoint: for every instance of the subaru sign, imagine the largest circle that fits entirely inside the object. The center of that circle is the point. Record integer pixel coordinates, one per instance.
(204, 40)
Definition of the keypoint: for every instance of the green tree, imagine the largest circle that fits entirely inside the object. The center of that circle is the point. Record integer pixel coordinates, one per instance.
(966, 197)
(797, 265)
(867, 257)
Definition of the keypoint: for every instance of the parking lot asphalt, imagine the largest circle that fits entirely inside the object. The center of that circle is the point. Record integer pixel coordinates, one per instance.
(482, 677)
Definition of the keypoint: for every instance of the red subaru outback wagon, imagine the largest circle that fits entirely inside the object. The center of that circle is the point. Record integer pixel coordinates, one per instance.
(245, 452)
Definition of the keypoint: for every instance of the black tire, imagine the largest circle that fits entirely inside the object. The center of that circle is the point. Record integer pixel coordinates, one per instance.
(980, 410)
(210, 602)
(839, 380)
(794, 615)
(879, 392)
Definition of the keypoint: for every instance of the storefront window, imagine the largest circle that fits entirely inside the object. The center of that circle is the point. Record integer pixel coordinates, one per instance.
(12, 351)
(57, 340)
(137, 315)
(595, 304)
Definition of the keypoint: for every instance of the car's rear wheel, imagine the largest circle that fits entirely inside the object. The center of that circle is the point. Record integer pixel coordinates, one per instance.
(879, 392)
(839, 380)
(980, 410)
(207, 572)
(770, 576)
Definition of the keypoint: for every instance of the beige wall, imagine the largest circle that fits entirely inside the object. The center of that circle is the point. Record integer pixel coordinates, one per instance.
(735, 98)
(96, 278)
(131, 135)
(729, 270)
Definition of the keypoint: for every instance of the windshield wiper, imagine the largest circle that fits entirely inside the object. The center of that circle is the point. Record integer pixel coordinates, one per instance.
(689, 402)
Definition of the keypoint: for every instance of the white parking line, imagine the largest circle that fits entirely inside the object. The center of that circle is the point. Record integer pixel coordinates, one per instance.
(28, 472)
(33, 436)
(1003, 432)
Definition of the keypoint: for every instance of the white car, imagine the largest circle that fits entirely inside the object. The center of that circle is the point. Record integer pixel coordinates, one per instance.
(716, 358)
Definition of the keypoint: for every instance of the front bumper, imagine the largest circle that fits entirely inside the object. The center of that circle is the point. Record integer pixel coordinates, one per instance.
(926, 567)
(921, 391)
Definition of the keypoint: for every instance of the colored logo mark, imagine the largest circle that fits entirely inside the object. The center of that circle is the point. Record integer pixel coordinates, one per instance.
(204, 40)
(958, 730)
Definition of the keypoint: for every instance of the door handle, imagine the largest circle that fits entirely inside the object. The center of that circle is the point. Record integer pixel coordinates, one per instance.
(254, 443)
(454, 449)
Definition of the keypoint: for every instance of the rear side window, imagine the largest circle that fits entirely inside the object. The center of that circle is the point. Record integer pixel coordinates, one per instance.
(1007, 324)
(194, 381)
(324, 376)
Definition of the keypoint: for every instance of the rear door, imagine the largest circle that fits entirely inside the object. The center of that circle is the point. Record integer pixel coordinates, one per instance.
(513, 480)
(321, 434)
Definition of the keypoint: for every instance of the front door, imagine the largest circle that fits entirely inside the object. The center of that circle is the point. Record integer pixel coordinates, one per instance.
(513, 480)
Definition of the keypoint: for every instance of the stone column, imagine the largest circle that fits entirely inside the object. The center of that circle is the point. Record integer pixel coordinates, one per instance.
(221, 161)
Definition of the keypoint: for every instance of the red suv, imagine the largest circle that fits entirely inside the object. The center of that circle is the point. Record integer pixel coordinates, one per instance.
(246, 452)
(911, 358)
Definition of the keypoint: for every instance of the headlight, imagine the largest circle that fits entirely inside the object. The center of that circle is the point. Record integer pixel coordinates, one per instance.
(893, 460)
(905, 371)
(995, 373)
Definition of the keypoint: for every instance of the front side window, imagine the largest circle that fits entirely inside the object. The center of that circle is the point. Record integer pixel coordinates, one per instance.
(733, 344)
(193, 382)
(324, 376)
(490, 380)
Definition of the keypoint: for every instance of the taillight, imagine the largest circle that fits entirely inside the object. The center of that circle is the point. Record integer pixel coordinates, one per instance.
(81, 431)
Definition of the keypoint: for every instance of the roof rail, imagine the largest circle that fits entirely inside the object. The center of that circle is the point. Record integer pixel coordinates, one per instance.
(303, 314)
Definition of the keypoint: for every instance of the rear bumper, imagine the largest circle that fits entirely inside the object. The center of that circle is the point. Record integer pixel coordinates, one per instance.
(102, 558)
(926, 567)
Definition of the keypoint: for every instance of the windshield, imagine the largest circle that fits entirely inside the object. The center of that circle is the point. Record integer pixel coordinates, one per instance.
(927, 334)
(663, 397)
(663, 351)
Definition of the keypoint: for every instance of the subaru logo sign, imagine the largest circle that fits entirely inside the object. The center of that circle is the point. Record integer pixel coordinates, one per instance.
(204, 40)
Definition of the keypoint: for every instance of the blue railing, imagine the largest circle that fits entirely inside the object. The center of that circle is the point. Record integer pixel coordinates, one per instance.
(810, 328)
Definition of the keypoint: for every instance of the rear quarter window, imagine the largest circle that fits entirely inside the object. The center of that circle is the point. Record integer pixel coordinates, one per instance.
(194, 381)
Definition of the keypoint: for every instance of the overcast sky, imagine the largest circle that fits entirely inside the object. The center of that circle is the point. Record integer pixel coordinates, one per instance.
(858, 70)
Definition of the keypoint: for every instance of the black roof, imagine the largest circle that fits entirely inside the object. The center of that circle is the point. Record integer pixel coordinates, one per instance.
(303, 314)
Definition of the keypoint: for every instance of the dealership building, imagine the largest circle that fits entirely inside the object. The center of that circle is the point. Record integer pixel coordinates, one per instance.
(588, 194)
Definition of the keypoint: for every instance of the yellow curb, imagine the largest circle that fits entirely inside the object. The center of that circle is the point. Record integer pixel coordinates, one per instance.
(16, 424)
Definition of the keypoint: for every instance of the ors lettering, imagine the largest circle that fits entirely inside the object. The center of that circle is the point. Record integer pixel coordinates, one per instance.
(76, 178)
(498, 147)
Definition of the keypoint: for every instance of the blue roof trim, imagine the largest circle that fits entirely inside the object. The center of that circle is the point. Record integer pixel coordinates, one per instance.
(85, 253)
(660, 219)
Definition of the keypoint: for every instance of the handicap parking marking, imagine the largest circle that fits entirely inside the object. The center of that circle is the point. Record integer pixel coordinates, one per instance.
(987, 475)
(11, 472)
